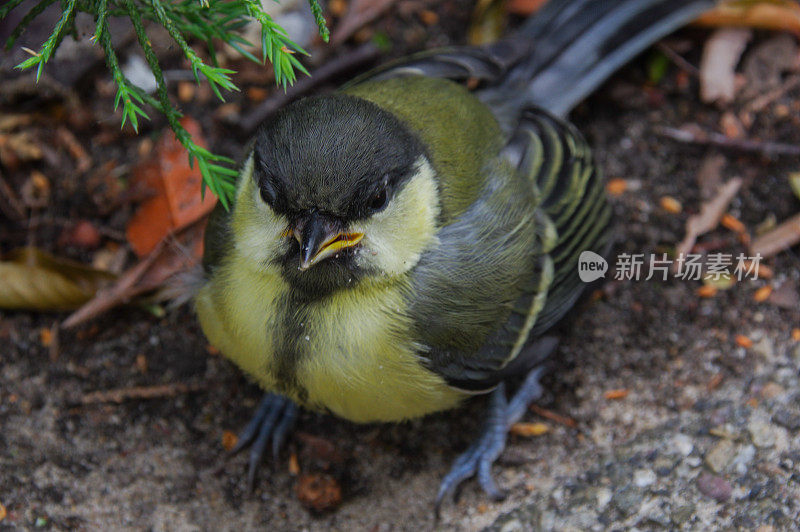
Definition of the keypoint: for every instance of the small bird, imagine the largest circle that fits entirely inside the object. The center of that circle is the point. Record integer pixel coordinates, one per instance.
(405, 243)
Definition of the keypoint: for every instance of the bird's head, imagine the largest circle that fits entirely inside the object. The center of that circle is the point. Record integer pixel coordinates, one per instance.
(337, 190)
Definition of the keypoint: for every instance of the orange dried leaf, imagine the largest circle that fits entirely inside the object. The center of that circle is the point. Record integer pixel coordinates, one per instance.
(796, 334)
(45, 336)
(729, 221)
(211, 350)
(428, 17)
(3, 512)
(620, 393)
(706, 290)
(229, 440)
(524, 7)
(743, 341)
(141, 363)
(670, 204)
(176, 186)
(528, 430)
(294, 465)
(762, 294)
(616, 186)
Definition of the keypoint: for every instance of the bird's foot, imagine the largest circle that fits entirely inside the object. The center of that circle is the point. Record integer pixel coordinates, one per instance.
(479, 457)
(274, 418)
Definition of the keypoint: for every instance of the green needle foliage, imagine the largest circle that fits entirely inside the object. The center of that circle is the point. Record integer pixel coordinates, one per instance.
(207, 21)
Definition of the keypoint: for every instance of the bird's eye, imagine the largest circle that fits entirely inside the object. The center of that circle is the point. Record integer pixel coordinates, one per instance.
(379, 200)
(267, 193)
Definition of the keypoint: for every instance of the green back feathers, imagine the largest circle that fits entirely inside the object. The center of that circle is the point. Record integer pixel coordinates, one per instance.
(461, 134)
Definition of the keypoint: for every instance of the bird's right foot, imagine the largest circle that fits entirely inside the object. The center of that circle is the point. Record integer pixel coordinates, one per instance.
(273, 419)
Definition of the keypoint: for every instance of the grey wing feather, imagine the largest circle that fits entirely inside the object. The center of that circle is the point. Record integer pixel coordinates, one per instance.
(568, 214)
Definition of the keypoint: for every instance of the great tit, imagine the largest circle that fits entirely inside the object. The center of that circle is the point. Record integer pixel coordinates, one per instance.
(404, 243)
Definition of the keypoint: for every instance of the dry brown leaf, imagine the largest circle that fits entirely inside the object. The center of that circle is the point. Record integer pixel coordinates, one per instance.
(729, 221)
(743, 341)
(616, 186)
(762, 294)
(229, 440)
(785, 296)
(620, 393)
(710, 214)
(488, 22)
(670, 204)
(34, 280)
(524, 7)
(770, 15)
(721, 54)
(707, 290)
(782, 237)
(709, 177)
(529, 430)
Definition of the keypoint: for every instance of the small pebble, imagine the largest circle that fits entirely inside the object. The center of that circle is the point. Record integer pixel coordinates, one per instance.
(743, 458)
(644, 478)
(787, 419)
(715, 487)
(603, 497)
(627, 500)
(683, 444)
(720, 455)
(681, 514)
(761, 433)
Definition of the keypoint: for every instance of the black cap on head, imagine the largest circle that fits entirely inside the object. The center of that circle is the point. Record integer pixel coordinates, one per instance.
(334, 154)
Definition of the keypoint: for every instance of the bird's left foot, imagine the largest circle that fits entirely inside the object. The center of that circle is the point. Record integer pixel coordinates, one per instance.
(479, 457)
(274, 417)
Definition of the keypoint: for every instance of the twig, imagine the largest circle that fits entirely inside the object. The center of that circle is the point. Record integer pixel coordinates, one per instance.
(10, 203)
(760, 102)
(120, 395)
(361, 55)
(704, 138)
(552, 416)
(359, 14)
(782, 237)
(678, 59)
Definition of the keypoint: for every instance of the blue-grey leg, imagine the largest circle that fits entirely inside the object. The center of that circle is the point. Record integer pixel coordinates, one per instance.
(479, 457)
(273, 418)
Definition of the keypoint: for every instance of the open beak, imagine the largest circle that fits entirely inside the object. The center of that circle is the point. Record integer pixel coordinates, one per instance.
(320, 238)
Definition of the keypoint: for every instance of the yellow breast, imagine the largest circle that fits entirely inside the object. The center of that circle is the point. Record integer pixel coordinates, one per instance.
(354, 355)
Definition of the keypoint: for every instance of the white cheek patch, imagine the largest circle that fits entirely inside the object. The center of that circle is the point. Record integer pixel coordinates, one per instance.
(395, 238)
(257, 228)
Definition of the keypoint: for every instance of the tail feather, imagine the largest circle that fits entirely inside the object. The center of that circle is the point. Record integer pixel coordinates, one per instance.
(577, 44)
(558, 57)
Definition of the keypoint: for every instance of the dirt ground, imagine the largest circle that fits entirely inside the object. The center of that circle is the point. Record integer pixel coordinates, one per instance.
(705, 436)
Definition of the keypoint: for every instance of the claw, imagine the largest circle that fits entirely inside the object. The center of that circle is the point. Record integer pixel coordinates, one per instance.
(479, 457)
(274, 418)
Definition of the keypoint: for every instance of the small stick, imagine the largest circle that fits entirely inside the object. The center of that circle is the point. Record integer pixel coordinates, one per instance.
(678, 59)
(343, 63)
(717, 139)
(552, 416)
(12, 206)
(120, 395)
(760, 102)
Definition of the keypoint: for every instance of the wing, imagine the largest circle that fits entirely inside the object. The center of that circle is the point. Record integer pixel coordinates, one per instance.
(506, 270)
